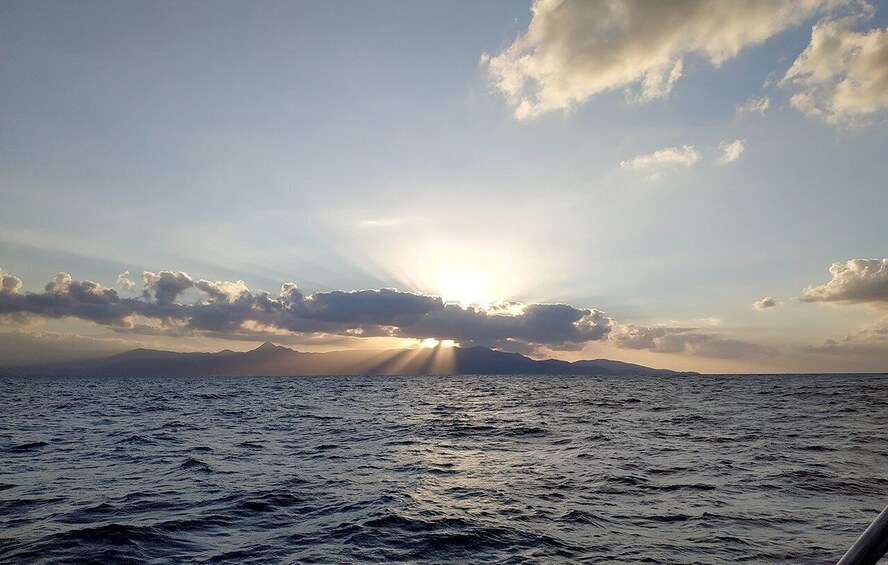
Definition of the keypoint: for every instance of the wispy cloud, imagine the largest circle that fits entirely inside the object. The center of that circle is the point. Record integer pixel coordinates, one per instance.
(730, 151)
(754, 106)
(663, 160)
(384, 222)
(662, 339)
(869, 339)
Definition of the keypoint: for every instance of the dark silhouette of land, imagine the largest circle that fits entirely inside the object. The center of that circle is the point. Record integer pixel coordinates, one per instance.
(274, 360)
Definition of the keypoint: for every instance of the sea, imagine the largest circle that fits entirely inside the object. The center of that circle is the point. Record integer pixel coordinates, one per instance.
(433, 469)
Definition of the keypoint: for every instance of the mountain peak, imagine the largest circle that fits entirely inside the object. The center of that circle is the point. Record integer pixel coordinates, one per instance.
(268, 346)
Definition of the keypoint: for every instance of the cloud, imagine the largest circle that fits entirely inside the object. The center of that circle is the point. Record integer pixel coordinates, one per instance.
(384, 307)
(575, 49)
(230, 310)
(662, 160)
(730, 151)
(384, 222)
(857, 281)
(754, 106)
(765, 303)
(867, 340)
(166, 285)
(664, 339)
(9, 283)
(555, 325)
(222, 291)
(842, 76)
(125, 281)
(65, 297)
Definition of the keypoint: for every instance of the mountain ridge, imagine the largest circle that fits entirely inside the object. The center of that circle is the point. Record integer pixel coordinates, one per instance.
(274, 360)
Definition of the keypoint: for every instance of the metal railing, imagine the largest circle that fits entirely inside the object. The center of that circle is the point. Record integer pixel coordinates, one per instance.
(871, 545)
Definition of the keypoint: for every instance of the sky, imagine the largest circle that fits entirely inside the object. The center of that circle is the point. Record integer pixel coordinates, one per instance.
(698, 185)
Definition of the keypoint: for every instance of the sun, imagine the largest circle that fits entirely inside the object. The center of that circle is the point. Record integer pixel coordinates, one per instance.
(431, 342)
(461, 272)
(464, 288)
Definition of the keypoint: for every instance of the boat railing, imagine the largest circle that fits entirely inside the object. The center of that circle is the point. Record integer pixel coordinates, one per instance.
(871, 545)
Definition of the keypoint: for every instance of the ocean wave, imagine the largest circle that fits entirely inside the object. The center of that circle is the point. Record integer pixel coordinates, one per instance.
(462, 469)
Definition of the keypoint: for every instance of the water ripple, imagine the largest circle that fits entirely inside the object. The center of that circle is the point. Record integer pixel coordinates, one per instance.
(759, 469)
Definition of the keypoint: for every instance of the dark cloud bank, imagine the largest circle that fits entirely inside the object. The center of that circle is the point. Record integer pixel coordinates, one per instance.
(230, 309)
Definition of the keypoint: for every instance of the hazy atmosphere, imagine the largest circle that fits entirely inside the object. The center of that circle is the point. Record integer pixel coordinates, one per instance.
(692, 185)
(378, 281)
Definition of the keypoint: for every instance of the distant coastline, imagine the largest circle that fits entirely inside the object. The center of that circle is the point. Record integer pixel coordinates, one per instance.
(275, 360)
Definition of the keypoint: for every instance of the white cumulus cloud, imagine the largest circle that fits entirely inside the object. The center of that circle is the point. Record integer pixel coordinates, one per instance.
(9, 283)
(222, 291)
(575, 49)
(764, 303)
(125, 281)
(858, 281)
(842, 76)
